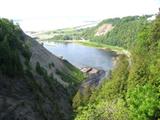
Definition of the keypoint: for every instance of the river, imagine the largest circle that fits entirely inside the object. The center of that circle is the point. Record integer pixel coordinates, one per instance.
(82, 56)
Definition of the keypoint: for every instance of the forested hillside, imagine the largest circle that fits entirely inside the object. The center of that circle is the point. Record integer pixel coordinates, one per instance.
(132, 92)
(34, 84)
(124, 31)
(121, 32)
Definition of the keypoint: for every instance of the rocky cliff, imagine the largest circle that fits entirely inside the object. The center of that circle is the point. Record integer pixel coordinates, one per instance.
(34, 84)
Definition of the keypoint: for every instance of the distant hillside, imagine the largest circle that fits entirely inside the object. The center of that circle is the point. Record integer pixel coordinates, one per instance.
(34, 84)
(70, 33)
(122, 33)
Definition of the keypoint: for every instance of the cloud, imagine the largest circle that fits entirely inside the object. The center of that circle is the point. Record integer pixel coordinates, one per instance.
(98, 8)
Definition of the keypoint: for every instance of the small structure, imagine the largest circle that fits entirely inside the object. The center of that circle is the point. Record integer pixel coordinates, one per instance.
(86, 69)
(93, 71)
(90, 70)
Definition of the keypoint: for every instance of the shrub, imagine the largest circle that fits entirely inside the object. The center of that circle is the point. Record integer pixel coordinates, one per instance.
(143, 102)
(39, 70)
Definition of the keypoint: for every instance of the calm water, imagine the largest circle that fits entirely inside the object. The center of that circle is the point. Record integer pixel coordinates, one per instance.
(82, 56)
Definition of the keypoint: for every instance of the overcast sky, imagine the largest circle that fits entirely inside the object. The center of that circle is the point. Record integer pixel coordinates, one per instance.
(75, 9)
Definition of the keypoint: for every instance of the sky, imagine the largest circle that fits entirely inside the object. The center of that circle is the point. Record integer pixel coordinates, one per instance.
(52, 14)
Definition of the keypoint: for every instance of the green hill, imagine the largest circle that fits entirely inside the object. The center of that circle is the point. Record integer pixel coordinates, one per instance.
(120, 32)
(124, 31)
(132, 92)
(34, 84)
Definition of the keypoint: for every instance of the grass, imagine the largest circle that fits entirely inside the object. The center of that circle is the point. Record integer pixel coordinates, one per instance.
(100, 45)
(117, 50)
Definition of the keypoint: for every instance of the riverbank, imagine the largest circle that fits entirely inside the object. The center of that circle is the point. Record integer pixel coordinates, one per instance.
(95, 71)
(117, 50)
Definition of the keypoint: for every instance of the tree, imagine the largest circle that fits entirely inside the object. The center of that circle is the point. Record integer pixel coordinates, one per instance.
(39, 69)
(143, 102)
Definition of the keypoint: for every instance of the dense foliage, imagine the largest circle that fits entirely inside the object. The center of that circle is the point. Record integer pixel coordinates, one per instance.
(11, 47)
(27, 85)
(123, 34)
(133, 90)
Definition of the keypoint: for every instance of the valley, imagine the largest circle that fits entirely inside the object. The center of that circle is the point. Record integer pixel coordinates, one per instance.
(109, 71)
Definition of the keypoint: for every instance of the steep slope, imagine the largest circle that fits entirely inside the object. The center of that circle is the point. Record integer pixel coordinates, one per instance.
(132, 92)
(102, 30)
(34, 84)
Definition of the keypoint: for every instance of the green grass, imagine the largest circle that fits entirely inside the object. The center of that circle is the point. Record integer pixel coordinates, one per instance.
(116, 49)
(100, 45)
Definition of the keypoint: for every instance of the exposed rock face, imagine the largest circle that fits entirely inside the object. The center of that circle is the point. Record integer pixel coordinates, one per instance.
(44, 57)
(19, 101)
(102, 30)
(35, 96)
(95, 78)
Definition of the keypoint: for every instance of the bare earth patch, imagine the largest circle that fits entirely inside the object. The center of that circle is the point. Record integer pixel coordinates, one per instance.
(102, 30)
